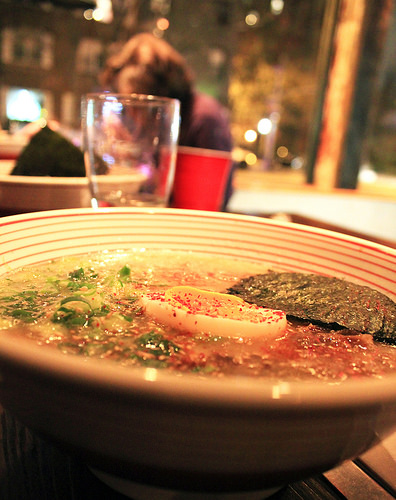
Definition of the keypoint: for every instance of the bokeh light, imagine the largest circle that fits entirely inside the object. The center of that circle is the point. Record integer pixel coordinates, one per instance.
(162, 23)
(252, 18)
(250, 135)
(282, 151)
(277, 6)
(250, 159)
(88, 14)
(264, 126)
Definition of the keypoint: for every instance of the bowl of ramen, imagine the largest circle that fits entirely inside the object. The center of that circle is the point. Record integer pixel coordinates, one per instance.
(197, 351)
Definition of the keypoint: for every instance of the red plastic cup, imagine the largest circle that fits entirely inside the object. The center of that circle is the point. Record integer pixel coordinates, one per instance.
(200, 178)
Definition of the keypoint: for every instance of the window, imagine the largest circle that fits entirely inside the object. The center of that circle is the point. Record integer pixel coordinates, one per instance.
(24, 105)
(321, 77)
(378, 166)
(27, 47)
(89, 56)
(274, 81)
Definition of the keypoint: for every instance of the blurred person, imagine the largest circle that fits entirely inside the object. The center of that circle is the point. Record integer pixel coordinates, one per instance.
(149, 65)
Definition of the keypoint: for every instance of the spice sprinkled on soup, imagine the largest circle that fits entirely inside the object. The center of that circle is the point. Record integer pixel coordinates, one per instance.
(169, 310)
(195, 310)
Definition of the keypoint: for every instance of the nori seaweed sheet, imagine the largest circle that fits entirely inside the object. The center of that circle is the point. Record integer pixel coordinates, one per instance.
(323, 299)
(49, 153)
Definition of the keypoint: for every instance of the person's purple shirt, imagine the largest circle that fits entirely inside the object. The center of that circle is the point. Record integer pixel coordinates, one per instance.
(208, 126)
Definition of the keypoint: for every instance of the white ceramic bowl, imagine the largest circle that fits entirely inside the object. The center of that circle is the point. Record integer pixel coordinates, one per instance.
(152, 427)
(25, 193)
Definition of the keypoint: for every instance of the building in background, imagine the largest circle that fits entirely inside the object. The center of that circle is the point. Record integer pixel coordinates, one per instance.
(55, 50)
(267, 60)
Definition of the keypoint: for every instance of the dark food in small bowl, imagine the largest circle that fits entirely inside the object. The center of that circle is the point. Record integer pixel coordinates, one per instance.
(50, 153)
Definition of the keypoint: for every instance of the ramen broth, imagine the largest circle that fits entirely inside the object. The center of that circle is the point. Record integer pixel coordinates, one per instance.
(89, 306)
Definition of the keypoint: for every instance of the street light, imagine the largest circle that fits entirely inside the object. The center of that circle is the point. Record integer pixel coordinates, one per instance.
(264, 126)
(267, 127)
(250, 135)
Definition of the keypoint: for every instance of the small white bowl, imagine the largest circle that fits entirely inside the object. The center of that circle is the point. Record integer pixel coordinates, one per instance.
(25, 193)
(152, 427)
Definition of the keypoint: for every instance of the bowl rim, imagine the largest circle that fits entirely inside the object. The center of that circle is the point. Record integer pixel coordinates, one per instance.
(44, 181)
(89, 211)
(204, 152)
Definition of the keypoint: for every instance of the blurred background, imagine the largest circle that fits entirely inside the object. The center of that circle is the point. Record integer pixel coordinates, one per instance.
(310, 86)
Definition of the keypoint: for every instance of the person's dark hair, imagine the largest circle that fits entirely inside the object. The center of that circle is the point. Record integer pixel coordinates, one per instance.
(149, 65)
